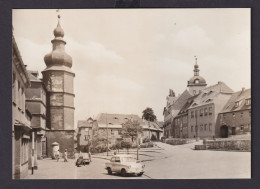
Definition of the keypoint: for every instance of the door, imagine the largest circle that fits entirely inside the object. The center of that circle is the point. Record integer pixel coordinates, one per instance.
(233, 130)
(224, 131)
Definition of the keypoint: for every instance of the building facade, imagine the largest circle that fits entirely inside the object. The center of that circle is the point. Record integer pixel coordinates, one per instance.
(58, 79)
(235, 118)
(203, 112)
(85, 132)
(21, 129)
(36, 103)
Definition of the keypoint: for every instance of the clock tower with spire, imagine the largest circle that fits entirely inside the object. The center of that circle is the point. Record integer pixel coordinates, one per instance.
(58, 79)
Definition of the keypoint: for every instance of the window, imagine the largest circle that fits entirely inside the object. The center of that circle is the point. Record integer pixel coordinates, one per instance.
(112, 132)
(248, 101)
(24, 150)
(241, 114)
(241, 128)
(192, 114)
(196, 128)
(191, 128)
(117, 159)
(201, 112)
(237, 103)
(115, 118)
(210, 127)
(201, 127)
(210, 110)
(234, 115)
(205, 127)
(113, 159)
(205, 111)
(197, 81)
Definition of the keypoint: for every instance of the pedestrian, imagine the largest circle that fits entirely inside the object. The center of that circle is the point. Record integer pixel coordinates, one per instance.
(89, 155)
(58, 155)
(65, 156)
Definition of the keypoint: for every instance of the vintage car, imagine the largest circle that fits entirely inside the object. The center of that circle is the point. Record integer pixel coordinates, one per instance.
(124, 164)
(83, 159)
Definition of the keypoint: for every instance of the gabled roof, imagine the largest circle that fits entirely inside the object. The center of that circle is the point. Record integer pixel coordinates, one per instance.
(116, 119)
(209, 94)
(188, 103)
(239, 96)
(84, 123)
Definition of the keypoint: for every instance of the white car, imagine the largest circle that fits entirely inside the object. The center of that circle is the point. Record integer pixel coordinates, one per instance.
(124, 164)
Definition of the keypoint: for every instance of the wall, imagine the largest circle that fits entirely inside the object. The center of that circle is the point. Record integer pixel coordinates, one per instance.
(243, 145)
(65, 140)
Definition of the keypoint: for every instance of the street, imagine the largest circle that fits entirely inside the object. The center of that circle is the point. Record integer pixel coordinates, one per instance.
(163, 161)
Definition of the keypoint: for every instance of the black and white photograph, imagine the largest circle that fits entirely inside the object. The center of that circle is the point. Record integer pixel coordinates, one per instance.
(131, 93)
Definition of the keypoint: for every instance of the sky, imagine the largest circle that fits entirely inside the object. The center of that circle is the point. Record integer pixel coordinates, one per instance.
(127, 59)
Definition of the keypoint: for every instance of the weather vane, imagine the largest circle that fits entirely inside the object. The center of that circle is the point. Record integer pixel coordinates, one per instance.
(58, 13)
(196, 59)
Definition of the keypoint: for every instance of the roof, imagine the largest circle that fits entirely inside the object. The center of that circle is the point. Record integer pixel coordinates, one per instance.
(84, 123)
(201, 81)
(209, 94)
(32, 77)
(240, 97)
(116, 120)
(185, 107)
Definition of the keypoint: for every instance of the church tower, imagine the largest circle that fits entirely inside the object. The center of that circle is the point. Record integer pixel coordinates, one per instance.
(58, 79)
(197, 83)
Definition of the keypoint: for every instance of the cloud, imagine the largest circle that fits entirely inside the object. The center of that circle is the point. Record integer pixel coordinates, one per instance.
(93, 52)
(192, 38)
(33, 53)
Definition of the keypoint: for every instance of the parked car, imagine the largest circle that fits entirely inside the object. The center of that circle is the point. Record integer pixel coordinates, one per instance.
(124, 164)
(83, 159)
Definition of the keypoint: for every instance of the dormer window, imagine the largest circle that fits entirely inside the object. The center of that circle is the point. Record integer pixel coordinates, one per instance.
(196, 81)
(248, 101)
(237, 103)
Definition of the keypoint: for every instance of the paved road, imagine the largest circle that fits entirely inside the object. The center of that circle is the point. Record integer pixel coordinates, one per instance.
(163, 162)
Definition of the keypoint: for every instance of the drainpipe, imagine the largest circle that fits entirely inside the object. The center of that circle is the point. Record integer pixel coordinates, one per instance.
(32, 151)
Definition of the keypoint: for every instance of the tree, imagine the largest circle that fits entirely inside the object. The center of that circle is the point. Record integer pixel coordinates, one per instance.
(148, 115)
(131, 129)
(99, 140)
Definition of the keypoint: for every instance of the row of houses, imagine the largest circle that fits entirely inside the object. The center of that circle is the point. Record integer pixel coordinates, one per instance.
(111, 127)
(207, 112)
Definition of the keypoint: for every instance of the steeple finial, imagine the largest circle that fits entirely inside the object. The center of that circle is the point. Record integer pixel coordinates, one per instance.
(196, 67)
(58, 31)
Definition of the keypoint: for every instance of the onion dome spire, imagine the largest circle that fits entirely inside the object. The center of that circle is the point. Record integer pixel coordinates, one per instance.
(58, 56)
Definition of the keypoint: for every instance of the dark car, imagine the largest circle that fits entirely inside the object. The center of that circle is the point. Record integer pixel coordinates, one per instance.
(83, 159)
